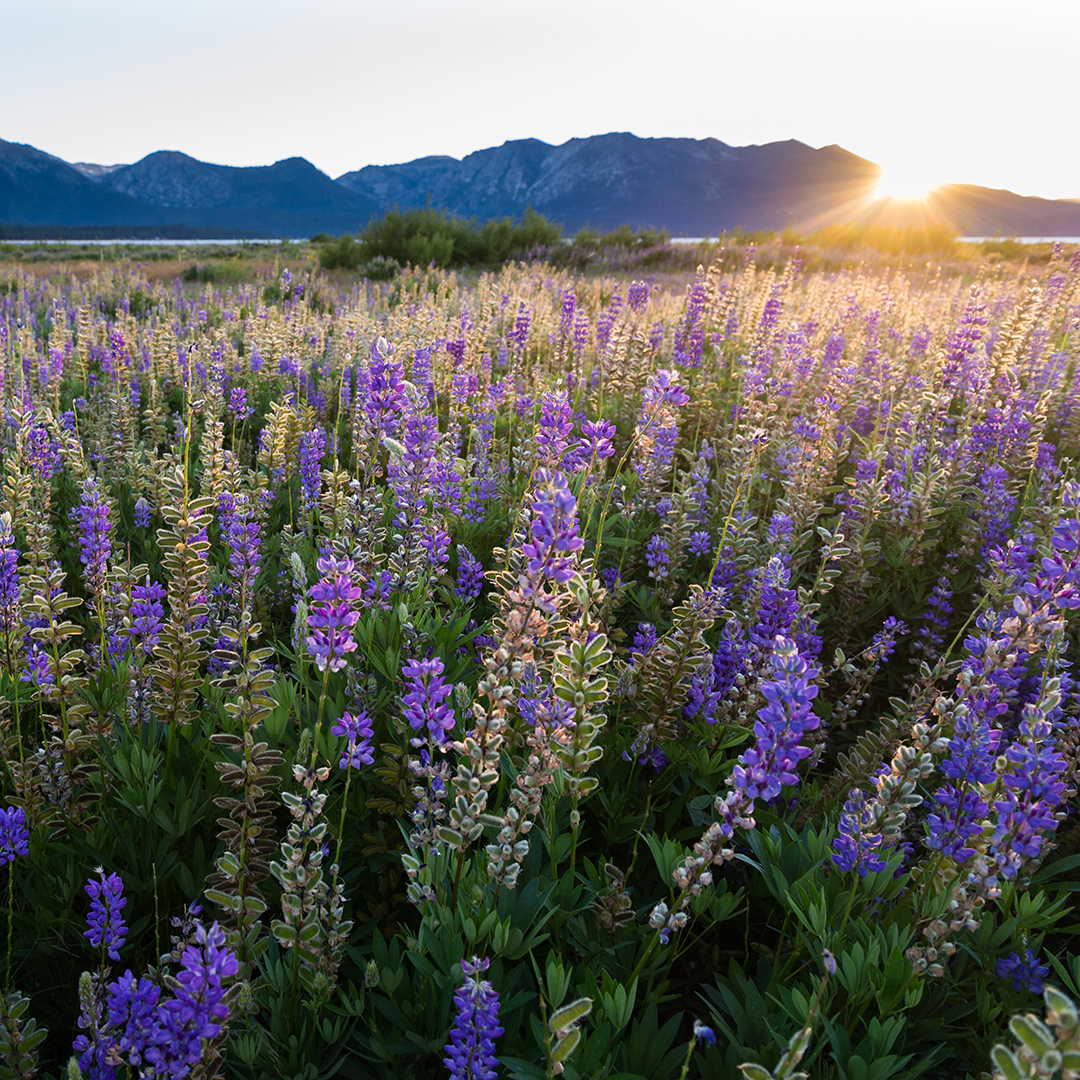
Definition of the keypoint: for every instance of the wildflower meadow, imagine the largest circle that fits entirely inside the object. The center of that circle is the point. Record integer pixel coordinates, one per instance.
(540, 672)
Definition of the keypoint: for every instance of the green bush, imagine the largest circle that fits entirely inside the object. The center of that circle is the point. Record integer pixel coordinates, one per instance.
(344, 254)
(425, 236)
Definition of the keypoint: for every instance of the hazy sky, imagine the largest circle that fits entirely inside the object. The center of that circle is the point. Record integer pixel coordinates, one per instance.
(940, 90)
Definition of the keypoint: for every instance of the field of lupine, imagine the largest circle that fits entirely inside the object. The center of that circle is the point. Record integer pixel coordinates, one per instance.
(535, 673)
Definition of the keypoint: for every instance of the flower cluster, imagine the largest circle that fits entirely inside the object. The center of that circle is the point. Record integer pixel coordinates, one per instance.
(358, 730)
(92, 518)
(425, 701)
(14, 835)
(331, 617)
(107, 931)
(554, 529)
(165, 1037)
(1026, 974)
(470, 1053)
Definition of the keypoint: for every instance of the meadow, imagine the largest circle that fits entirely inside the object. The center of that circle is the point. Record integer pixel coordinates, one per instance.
(585, 667)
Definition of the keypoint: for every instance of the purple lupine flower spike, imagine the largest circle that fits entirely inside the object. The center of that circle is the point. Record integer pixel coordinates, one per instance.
(107, 927)
(360, 733)
(332, 616)
(470, 583)
(14, 835)
(147, 615)
(470, 1053)
(554, 528)
(425, 702)
(92, 518)
(1026, 974)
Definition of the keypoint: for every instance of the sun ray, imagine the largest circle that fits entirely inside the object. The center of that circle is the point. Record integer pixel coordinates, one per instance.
(906, 182)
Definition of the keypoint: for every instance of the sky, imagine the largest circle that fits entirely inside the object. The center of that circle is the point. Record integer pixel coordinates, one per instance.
(935, 91)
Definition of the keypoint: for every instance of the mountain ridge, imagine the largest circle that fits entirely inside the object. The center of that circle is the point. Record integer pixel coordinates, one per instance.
(691, 187)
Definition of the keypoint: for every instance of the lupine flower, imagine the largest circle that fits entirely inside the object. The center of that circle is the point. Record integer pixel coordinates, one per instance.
(312, 449)
(555, 426)
(133, 1012)
(1034, 790)
(411, 476)
(238, 403)
(567, 312)
(165, 1038)
(95, 1044)
(554, 528)
(38, 668)
(92, 518)
(147, 615)
(779, 606)
(690, 333)
(960, 807)
(425, 700)
(637, 295)
(596, 436)
(360, 733)
(657, 558)
(645, 639)
(470, 1053)
(332, 617)
(1026, 974)
(437, 546)
(703, 1033)
(142, 513)
(781, 724)
(14, 835)
(9, 577)
(470, 582)
(520, 334)
(243, 535)
(858, 843)
(107, 927)
(661, 390)
(700, 542)
(386, 391)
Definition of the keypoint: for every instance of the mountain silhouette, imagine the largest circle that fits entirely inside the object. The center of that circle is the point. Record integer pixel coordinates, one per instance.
(691, 187)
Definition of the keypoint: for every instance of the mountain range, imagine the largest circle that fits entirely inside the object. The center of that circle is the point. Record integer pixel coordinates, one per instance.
(691, 187)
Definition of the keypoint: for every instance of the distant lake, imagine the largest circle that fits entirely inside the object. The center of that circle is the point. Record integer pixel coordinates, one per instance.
(1021, 239)
(157, 242)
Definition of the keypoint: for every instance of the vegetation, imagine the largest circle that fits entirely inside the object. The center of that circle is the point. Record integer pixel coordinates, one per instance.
(539, 671)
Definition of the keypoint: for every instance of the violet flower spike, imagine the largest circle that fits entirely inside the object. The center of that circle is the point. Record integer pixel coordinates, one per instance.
(470, 1053)
(360, 734)
(332, 618)
(107, 927)
(14, 835)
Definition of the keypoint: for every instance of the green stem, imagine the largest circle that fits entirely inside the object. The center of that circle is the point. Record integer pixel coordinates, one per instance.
(689, 1051)
(322, 710)
(457, 878)
(644, 958)
(10, 906)
(341, 823)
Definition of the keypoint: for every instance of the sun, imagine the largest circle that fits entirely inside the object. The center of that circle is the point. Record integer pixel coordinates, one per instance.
(905, 183)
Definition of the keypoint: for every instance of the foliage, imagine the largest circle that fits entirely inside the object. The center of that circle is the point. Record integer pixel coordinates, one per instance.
(611, 678)
(425, 236)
